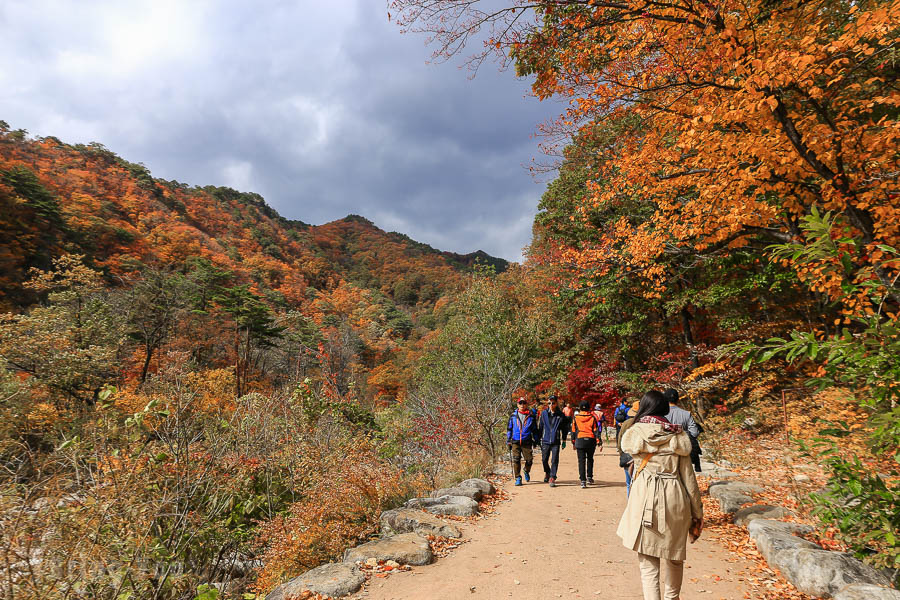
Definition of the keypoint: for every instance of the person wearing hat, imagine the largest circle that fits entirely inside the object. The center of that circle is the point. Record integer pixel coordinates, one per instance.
(625, 459)
(552, 427)
(521, 436)
(601, 418)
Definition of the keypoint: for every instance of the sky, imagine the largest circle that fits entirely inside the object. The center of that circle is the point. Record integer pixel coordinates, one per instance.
(324, 108)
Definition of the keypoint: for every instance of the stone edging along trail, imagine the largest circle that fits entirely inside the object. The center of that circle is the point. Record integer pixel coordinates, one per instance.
(808, 567)
(409, 536)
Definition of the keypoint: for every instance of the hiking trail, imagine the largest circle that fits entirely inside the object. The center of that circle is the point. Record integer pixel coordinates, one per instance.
(547, 543)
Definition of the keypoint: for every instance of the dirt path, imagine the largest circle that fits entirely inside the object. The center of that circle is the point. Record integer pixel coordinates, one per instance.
(555, 543)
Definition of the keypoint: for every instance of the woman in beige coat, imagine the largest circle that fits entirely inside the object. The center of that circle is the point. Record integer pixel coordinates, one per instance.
(664, 506)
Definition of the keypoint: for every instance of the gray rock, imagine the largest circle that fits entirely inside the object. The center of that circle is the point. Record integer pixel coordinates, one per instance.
(802, 478)
(822, 573)
(485, 486)
(773, 542)
(459, 506)
(731, 502)
(719, 486)
(334, 580)
(406, 549)
(783, 526)
(865, 591)
(760, 511)
(711, 469)
(468, 492)
(409, 520)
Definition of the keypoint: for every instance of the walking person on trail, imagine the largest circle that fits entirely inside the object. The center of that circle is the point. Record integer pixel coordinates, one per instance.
(680, 416)
(553, 426)
(620, 414)
(601, 419)
(665, 508)
(585, 437)
(569, 411)
(521, 437)
(625, 460)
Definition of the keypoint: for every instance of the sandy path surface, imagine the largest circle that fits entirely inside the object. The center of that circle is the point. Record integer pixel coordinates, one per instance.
(555, 543)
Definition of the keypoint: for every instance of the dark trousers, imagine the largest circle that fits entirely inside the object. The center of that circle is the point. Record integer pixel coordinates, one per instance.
(586, 459)
(550, 459)
(518, 452)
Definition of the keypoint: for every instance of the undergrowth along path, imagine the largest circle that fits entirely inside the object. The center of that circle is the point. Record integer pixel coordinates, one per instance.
(547, 543)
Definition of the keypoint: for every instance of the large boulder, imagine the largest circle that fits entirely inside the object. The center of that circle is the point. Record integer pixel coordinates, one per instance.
(406, 549)
(468, 492)
(410, 520)
(334, 580)
(773, 542)
(731, 502)
(756, 525)
(760, 511)
(459, 506)
(720, 485)
(865, 591)
(823, 573)
(483, 485)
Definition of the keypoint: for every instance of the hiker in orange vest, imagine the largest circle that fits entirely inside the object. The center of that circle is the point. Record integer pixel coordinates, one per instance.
(585, 438)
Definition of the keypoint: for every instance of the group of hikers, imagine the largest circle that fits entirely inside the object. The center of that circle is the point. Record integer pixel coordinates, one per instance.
(658, 449)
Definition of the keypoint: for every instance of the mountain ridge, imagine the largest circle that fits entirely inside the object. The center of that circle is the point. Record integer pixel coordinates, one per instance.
(59, 198)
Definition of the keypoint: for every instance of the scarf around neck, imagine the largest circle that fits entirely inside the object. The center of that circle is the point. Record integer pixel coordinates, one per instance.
(661, 421)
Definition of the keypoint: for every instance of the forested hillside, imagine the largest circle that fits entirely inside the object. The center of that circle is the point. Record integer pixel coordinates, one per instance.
(227, 390)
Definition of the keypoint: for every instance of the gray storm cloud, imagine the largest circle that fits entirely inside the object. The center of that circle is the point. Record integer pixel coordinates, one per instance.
(325, 109)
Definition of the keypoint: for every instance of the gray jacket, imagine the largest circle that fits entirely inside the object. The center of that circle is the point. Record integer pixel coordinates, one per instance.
(679, 416)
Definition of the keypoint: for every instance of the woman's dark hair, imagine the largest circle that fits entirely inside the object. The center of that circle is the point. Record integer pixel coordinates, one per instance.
(585, 405)
(671, 395)
(653, 404)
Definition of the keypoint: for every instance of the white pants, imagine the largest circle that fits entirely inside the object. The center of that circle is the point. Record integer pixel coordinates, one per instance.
(650, 577)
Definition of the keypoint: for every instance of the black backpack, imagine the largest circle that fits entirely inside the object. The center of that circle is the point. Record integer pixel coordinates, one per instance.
(621, 414)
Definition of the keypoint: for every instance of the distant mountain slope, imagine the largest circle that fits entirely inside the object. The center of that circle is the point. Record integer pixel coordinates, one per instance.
(57, 198)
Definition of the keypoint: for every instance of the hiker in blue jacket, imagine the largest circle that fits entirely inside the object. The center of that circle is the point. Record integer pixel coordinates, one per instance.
(521, 437)
(552, 425)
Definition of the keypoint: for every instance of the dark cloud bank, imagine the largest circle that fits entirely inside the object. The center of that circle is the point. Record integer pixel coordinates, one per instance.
(323, 108)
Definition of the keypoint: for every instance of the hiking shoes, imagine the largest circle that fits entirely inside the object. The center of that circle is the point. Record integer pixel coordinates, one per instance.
(583, 484)
(553, 482)
(590, 481)
(527, 477)
(518, 481)
(546, 478)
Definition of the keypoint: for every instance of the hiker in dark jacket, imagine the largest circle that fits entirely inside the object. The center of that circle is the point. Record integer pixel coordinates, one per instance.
(521, 437)
(680, 416)
(585, 436)
(553, 425)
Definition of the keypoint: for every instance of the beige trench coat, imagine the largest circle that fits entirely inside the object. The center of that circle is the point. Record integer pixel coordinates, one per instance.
(664, 496)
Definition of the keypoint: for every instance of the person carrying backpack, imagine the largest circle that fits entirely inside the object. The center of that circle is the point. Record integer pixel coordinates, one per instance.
(521, 437)
(552, 426)
(621, 414)
(585, 437)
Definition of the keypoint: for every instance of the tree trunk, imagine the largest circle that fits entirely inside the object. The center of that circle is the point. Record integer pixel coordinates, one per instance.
(689, 336)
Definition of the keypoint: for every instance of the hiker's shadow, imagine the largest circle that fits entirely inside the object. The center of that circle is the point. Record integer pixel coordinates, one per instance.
(596, 484)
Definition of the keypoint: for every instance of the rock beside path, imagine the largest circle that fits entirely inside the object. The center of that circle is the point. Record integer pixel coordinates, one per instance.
(484, 485)
(410, 520)
(742, 487)
(784, 526)
(468, 492)
(760, 511)
(772, 542)
(406, 549)
(459, 506)
(823, 573)
(334, 580)
(864, 591)
(731, 502)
